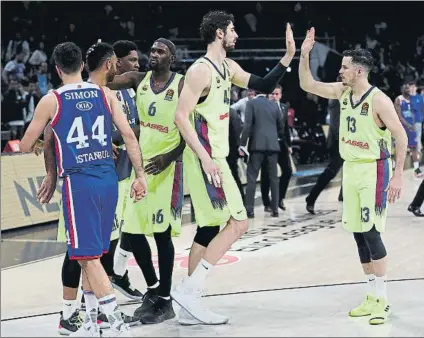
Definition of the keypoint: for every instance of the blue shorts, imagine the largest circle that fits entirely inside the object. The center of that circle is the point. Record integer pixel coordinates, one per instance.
(412, 138)
(89, 209)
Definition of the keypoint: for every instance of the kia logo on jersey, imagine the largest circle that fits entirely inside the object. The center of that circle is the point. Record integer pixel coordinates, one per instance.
(84, 105)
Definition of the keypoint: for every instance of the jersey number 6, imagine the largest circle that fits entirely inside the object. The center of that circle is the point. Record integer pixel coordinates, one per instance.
(152, 109)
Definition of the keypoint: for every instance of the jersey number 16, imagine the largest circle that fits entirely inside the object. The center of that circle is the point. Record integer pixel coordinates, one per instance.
(97, 130)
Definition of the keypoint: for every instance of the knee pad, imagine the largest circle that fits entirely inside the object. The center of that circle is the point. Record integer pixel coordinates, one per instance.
(363, 250)
(375, 244)
(71, 273)
(205, 235)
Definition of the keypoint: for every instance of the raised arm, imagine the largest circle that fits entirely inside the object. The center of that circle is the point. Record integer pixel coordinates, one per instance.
(126, 80)
(307, 83)
(268, 83)
(44, 111)
(385, 110)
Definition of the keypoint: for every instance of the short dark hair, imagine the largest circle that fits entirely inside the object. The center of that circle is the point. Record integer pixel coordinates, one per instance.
(211, 22)
(412, 83)
(68, 57)
(361, 57)
(123, 48)
(279, 87)
(97, 54)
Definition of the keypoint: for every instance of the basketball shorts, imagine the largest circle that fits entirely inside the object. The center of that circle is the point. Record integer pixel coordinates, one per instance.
(89, 212)
(161, 208)
(364, 195)
(124, 187)
(412, 138)
(212, 206)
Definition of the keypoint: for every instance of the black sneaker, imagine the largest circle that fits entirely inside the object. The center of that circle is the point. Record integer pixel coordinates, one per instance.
(160, 311)
(416, 211)
(102, 321)
(267, 209)
(282, 206)
(70, 325)
(149, 298)
(418, 173)
(123, 285)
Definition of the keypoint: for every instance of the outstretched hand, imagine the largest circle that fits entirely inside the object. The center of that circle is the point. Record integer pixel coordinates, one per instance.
(290, 44)
(309, 42)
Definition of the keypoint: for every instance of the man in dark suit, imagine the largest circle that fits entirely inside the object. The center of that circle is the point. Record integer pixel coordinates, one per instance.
(283, 156)
(234, 143)
(263, 126)
(336, 162)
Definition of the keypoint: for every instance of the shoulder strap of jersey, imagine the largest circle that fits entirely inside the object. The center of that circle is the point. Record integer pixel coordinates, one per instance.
(146, 79)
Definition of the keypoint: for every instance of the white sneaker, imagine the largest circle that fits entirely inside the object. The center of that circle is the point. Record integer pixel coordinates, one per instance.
(184, 318)
(87, 331)
(187, 298)
(122, 330)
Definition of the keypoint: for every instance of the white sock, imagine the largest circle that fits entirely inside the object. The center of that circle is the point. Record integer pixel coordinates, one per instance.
(68, 308)
(416, 165)
(154, 286)
(199, 274)
(109, 306)
(370, 279)
(380, 289)
(120, 261)
(90, 301)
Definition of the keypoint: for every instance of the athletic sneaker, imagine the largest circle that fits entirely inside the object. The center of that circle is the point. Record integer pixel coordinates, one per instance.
(123, 285)
(103, 322)
(380, 311)
(89, 328)
(184, 318)
(70, 325)
(160, 311)
(364, 309)
(122, 330)
(418, 173)
(187, 297)
(149, 298)
(416, 211)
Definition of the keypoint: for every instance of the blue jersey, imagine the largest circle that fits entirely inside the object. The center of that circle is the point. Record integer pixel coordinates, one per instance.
(126, 99)
(417, 103)
(82, 127)
(407, 112)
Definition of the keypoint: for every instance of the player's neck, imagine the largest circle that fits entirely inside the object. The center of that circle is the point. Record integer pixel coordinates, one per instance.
(216, 53)
(161, 75)
(360, 88)
(98, 78)
(406, 96)
(69, 79)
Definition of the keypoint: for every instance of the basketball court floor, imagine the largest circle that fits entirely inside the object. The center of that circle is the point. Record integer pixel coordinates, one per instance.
(297, 275)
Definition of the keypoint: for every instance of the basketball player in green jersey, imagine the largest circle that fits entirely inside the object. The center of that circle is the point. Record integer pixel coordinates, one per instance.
(157, 93)
(202, 117)
(368, 120)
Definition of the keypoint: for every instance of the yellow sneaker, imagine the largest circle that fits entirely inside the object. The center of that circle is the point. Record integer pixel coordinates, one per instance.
(380, 312)
(364, 309)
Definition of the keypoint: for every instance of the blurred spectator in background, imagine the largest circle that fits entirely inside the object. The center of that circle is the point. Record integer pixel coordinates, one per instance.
(13, 108)
(43, 78)
(38, 56)
(240, 105)
(15, 67)
(283, 156)
(417, 103)
(17, 45)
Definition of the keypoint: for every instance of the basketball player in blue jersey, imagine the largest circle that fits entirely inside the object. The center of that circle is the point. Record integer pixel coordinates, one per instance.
(71, 271)
(81, 116)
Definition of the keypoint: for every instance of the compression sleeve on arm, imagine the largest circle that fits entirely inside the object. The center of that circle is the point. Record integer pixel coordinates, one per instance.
(268, 83)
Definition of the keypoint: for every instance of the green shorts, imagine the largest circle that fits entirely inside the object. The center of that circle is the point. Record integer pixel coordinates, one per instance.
(161, 208)
(123, 196)
(364, 195)
(212, 206)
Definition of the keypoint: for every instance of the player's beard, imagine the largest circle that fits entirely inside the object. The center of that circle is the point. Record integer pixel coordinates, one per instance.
(110, 75)
(227, 47)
